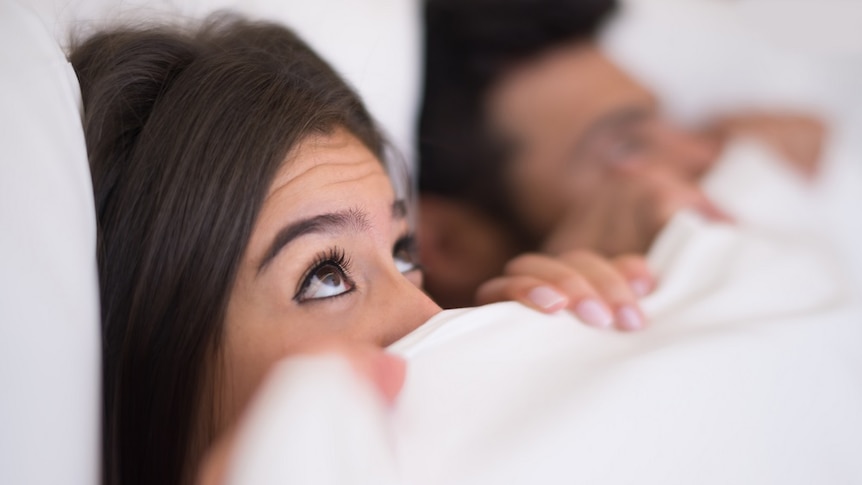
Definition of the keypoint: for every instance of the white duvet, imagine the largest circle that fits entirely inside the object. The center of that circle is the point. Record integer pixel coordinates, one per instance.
(751, 371)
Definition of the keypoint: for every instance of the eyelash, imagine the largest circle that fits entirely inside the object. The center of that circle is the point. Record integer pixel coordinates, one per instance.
(333, 257)
(407, 243)
(338, 257)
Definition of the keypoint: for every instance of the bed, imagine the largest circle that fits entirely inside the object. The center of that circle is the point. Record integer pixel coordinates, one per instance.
(751, 372)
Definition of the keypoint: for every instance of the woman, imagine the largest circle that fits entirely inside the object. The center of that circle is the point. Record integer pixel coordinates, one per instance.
(244, 214)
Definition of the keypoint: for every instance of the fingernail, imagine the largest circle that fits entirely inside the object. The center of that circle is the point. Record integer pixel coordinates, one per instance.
(630, 319)
(547, 298)
(594, 313)
(391, 370)
(641, 287)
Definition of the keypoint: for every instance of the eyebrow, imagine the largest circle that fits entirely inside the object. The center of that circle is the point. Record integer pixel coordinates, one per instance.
(354, 220)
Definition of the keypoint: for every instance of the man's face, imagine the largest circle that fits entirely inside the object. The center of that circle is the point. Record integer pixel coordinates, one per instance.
(574, 120)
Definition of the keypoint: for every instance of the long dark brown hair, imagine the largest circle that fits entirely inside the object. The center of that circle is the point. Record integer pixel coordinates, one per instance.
(185, 130)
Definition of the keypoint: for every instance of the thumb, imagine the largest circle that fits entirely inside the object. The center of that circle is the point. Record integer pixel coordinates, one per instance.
(709, 209)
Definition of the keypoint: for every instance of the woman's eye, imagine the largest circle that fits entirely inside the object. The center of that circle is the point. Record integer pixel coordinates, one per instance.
(325, 281)
(404, 255)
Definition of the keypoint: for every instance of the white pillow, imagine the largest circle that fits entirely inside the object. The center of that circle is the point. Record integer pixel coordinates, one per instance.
(49, 314)
(374, 44)
(705, 57)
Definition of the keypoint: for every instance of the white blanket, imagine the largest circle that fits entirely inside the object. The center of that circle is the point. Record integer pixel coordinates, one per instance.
(751, 371)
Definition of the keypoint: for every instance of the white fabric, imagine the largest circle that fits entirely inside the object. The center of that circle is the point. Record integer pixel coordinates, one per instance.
(374, 44)
(704, 57)
(49, 316)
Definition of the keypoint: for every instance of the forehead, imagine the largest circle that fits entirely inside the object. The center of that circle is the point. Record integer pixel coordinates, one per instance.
(326, 172)
(568, 86)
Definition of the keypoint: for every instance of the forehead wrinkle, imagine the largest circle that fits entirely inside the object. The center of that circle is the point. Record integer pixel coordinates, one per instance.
(333, 172)
(327, 188)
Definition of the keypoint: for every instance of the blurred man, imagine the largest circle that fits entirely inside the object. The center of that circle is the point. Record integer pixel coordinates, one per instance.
(531, 139)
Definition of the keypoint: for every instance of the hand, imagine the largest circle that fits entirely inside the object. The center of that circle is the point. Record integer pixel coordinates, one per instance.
(625, 212)
(601, 292)
(797, 138)
(384, 372)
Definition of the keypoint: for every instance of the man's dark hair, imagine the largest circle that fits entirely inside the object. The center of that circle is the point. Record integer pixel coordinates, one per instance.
(185, 132)
(470, 45)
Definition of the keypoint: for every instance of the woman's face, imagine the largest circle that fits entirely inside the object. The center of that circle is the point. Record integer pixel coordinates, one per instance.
(330, 255)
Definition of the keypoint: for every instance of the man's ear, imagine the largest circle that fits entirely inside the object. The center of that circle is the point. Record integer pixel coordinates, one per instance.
(441, 251)
(436, 216)
(459, 247)
(448, 231)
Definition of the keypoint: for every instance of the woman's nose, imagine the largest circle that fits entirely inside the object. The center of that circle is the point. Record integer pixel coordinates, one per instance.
(405, 306)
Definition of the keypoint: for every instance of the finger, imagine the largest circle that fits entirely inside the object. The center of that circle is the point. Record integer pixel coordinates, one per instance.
(635, 270)
(803, 144)
(384, 371)
(570, 278)
(600, 295)
(709, 209)
(611, 286)
(387, 373)
(677, 195)
(713, 212)
(528, 290)
(537, 294)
